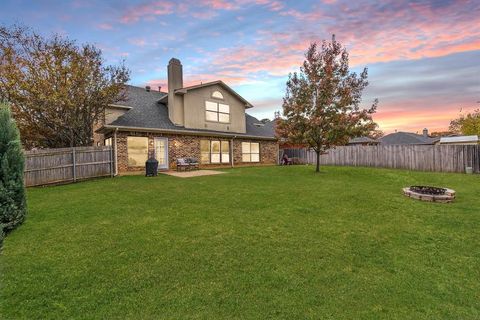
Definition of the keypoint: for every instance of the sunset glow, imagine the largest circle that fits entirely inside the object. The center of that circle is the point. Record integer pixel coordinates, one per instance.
(423, 56)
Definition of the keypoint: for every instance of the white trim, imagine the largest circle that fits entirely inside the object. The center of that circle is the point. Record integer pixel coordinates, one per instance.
(166, 150)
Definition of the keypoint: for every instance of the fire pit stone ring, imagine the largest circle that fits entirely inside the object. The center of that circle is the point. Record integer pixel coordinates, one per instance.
(431, 194)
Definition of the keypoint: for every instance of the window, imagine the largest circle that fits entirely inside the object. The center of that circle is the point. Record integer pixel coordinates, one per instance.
(217, 95)
(214, 151)
(225, 152)
(137, 148)
(108, 142)
(204, 151)
(217, 112)
(250, 152)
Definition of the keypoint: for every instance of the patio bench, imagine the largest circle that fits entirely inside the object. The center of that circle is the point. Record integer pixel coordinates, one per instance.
(182, 164)
(187, 164)
(193, 163)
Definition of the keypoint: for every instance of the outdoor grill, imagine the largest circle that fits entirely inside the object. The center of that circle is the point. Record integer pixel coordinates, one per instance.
(151, 167)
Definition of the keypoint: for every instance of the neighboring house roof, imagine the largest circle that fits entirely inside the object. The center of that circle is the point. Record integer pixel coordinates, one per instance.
(407, 138)
(460, 139)
(362, 140)
(148, 114)
(220, 83)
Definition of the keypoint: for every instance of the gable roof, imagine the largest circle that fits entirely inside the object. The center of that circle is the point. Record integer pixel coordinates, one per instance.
(148, 114)
(212, 83)
(406, 138)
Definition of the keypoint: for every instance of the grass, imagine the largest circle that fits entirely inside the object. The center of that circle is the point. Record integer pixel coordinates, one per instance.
(255, 243)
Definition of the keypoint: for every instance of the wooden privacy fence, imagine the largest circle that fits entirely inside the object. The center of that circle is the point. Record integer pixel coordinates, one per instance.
(440, 158)
(67, 165)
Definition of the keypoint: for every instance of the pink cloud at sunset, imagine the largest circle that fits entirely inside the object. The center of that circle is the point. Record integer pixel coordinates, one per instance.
(422, 55)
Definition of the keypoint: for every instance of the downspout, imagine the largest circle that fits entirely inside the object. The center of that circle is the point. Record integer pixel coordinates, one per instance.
(231, 152)
(115, 151)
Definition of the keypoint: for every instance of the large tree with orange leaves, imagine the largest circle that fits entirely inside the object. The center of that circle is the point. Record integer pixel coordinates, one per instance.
(321, 107)
(57, 89)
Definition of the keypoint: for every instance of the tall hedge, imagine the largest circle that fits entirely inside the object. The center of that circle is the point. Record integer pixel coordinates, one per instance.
(12, 190)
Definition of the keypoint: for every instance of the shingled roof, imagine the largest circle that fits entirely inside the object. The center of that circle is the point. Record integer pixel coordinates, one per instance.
(406, 138)
(362, 140)
(147, 113)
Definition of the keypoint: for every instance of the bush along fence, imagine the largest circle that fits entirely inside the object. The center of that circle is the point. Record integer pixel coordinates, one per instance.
(65, 165)
(439, 158)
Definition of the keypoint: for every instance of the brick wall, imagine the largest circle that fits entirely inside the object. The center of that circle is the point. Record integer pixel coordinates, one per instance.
(268, 152)
(181, 146)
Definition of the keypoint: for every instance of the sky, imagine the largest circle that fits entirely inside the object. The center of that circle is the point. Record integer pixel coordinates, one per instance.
(423, 57)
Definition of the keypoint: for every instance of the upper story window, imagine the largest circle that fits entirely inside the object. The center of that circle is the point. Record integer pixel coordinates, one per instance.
(217, 112)
(217, 95)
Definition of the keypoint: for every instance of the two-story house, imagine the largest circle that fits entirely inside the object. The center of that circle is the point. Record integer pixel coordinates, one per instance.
(206, 121)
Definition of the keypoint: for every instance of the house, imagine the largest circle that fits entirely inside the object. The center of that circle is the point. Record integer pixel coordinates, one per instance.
(403, 138)
(459, 140)
(363, 141)
(206, 121)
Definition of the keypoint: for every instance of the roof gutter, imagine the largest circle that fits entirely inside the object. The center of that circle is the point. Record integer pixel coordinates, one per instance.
(187, 132)
(119, 106)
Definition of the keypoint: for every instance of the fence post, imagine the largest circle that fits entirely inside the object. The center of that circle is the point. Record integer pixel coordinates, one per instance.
(74, 165)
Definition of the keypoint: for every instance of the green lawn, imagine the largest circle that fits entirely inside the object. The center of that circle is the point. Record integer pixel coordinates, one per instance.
(255, 243)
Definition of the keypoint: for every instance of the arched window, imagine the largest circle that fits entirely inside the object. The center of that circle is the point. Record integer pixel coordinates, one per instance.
(217, 94)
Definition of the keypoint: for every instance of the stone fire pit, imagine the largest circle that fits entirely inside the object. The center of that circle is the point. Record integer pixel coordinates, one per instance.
(432, 194)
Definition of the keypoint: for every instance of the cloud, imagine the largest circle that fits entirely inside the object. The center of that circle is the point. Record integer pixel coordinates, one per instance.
(194, 79)
(412, 49)
(140, 42)
(220, 4)
(372, 32)
(105, 26)
(147, 11)
(424, 93)
(200, 9)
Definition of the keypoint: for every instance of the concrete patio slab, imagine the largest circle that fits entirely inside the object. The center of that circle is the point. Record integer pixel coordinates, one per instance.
(193, 173)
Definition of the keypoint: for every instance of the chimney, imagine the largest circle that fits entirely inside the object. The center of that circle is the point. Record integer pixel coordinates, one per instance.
(425, 133)
(175, 81)
(147, 88)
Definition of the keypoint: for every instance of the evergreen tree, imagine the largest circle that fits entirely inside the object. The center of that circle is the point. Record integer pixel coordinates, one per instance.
(12, 190)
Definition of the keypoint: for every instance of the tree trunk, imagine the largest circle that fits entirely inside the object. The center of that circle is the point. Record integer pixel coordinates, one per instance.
(318, 161)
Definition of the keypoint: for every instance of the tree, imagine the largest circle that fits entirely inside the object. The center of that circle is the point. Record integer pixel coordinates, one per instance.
(467, 124)
(58, 90)
(321, 105)
(12, 190)
(376, 134)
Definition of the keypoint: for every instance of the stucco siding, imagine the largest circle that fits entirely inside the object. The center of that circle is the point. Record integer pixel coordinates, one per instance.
(194, 110)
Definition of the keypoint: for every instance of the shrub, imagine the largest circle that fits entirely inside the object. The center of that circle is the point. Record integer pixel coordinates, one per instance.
(12, 190)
